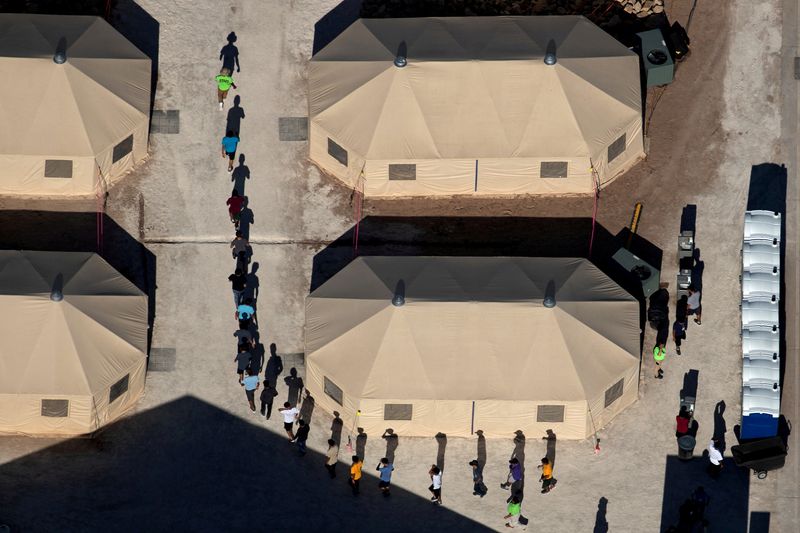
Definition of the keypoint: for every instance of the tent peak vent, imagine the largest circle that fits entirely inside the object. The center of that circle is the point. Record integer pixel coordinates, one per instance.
(399, 298)
(57, 292)
(60, 57)
(550, 295)
(550, 54)
(402, 53)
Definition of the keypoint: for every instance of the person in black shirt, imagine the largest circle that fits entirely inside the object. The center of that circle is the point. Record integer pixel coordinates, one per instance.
(238, 283)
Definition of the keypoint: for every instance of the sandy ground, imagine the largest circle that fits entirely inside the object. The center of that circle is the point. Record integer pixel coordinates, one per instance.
(722, 115)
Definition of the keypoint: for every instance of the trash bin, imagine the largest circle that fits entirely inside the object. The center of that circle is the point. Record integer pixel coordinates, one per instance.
(686, 447)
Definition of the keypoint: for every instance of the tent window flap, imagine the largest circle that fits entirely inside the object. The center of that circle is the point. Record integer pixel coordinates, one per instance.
(553, 169)
(337, 152)
(397, 411)
(614, 392)
(402, 172)
(123, 148)
(55, 408)
(57, 168)
(332, 390)
(118, 389)
(616, 148)
(550, 413)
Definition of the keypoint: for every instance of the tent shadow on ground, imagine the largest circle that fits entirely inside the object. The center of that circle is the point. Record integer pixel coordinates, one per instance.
(729, 493)
(487, 237)
(136, 24)
(77, 232)
(190, 466)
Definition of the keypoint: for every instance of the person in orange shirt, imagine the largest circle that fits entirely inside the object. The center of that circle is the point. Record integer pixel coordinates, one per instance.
(355, 474)
(547, 479)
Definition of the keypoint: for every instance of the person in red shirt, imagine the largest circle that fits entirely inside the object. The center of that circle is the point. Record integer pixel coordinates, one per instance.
(235, 204)
(682, 423)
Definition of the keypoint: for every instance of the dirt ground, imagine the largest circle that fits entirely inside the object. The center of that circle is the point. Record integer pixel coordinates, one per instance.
(205, 456)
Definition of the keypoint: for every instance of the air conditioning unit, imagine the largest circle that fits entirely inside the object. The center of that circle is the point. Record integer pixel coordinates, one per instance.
(657, 61)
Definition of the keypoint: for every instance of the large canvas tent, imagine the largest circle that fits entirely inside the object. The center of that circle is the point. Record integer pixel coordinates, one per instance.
(475, 109)
(455, 344)
(73, 339)
(69, 127)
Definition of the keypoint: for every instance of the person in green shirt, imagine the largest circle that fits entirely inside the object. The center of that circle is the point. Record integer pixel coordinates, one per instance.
(224, 83)
(514, 509)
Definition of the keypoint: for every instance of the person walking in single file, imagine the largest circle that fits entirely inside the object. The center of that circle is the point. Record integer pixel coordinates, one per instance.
(238, 283)
(268, 394)
(302, 436)
(478, 487)
(224, 83)
(250, 383)
(436, 484)
(229, 144)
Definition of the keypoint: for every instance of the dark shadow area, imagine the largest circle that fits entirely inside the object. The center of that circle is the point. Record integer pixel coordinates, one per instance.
(174, 468)
(551, 447)
(78, 232)
(361, 443)
(600, 522)
(392, 441)
(335, 22)
(229, 54)
(253, 283)
(607, 14)
(727, 506)
(690, 381)
(234, 121)
(295, 384)
(759, 522)
(336, 428)
(257, 361)
(143, 31)
(441, 446)
(95, 8)
(246, 219)
(240, 175)
(307, 409)
(720, 427)
(274, 366)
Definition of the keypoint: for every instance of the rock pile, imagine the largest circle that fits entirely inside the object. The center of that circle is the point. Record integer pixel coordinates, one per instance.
(642, 8)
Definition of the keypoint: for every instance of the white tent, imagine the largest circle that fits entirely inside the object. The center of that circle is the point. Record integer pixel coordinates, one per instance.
(471, 345)
(473, 108)
(69, 127)
(72, 364)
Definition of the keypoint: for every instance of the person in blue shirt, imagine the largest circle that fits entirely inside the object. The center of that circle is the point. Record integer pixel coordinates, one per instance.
(229, 144)
(245, 313)
(250, 385)
(385, 470)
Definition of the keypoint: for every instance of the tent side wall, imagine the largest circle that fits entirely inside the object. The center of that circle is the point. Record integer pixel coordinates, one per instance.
(106, 412)
(599, 415)
(318, 146)
(25, 175)
(22, 414)
(112, 170)
(633, 153)
(502, 418)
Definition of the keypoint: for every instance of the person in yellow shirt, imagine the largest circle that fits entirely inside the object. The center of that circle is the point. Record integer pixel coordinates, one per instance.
(224, 83)
(355, 474)
(547, 479)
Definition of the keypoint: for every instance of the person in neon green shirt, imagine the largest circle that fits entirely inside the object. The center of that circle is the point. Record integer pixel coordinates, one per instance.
(224, 83)
(514, 510)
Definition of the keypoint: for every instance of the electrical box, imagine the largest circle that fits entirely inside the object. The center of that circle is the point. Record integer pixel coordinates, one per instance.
(659, 68)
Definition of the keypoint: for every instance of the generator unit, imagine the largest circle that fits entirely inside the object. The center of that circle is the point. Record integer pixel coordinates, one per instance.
(659, 68)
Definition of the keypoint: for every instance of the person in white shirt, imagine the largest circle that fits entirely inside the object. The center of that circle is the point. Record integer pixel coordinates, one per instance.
(436, 484)
(290, 415)
(715, 458)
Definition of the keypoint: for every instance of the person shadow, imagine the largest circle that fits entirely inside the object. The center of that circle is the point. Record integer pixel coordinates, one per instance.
(274, 365)
(229, 54)
(361, 443)
(246, 219)
(336, 428)
(235, 117)
(441, 443)
(600, 522)
(240, 174)
(252, 283)
(295, 385)
(307, 410)
(392, 440)
(720, 427)
(257, 359)
(481, 449)
(551, 447)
